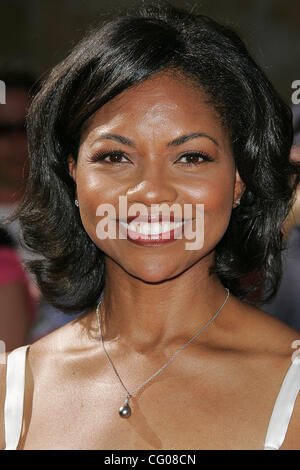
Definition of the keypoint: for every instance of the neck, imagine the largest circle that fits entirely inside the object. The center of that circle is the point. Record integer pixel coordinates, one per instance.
(143, 316)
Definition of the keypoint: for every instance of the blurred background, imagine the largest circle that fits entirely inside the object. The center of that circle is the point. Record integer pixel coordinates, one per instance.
(34, 36)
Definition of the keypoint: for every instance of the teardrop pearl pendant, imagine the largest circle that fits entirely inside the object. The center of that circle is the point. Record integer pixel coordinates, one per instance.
(125, 410)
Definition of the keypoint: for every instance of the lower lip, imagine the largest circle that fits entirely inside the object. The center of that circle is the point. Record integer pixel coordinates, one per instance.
(146, 240)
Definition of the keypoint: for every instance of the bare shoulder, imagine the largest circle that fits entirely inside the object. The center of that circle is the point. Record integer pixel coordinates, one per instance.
(264, 332)
(39, 353)
(276, 347)
(55, 351)
(57, 343)
(292, 439)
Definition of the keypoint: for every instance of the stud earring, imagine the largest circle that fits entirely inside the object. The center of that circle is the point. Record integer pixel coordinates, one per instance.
(76, 203)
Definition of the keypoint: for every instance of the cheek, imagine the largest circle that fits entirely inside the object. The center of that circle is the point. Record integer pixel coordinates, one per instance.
(92, 192)
(217, 210)
(216, 195)
(93, 189)
(215, 192)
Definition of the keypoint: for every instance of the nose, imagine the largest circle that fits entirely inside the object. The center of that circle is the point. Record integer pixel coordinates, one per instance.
(152, 187)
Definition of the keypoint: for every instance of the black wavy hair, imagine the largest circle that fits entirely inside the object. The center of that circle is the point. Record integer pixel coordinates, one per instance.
(111, 58)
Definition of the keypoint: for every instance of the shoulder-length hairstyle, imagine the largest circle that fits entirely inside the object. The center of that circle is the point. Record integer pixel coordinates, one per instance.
(110, 59)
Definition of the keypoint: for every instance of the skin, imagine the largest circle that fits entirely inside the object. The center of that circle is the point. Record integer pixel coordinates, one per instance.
(219, 392)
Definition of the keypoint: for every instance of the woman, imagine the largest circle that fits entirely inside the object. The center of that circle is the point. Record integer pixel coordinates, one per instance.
(159, 107)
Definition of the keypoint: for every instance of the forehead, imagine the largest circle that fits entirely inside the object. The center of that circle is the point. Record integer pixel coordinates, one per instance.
(164, 101)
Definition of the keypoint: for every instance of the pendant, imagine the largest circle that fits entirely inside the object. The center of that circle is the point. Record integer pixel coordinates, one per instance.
(125, 410)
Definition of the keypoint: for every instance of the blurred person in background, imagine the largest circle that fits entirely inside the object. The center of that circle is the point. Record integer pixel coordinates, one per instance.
(294, 217)
(20, 86)
(286, 304)
(18, 305)
(13, 144)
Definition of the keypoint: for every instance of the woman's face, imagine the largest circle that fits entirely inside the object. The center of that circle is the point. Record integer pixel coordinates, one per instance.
(148, 170)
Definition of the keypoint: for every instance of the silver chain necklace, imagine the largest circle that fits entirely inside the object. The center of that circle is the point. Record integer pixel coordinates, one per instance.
(125, 410)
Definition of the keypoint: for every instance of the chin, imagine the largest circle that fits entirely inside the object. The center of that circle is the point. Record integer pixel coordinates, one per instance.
(154, 275)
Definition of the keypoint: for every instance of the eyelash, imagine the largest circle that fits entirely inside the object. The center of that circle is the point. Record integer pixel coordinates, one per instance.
(102, 155)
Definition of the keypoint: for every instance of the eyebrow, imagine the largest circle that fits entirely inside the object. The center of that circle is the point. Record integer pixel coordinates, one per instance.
(173, 143)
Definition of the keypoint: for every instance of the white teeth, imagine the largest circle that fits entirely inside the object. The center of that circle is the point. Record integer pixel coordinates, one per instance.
(153, 228)
(123, 224)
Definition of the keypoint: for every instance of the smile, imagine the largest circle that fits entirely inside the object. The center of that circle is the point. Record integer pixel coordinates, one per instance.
(154, 229)
(153, 233)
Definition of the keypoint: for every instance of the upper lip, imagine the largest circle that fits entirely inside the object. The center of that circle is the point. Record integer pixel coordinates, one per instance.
(153, 218)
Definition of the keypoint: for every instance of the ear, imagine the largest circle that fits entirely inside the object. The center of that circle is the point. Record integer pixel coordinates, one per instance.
(239, 188)
(72, 167)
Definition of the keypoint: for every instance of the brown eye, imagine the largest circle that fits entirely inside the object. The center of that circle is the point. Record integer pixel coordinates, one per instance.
(195, 158)
(113, 157)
